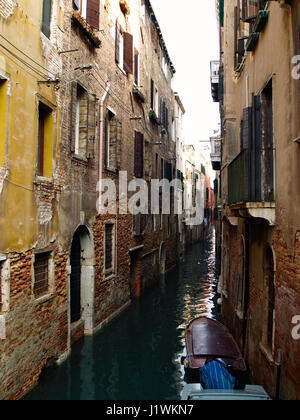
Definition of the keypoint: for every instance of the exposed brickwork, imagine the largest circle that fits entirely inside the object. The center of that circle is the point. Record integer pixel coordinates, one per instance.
(261, 360)
(39, 330)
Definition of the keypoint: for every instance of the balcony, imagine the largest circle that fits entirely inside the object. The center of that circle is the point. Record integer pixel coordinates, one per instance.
(251, 185)
(215, 79)
(216, 152)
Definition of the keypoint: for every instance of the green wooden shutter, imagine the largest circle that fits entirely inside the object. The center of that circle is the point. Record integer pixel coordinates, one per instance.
(46, 18)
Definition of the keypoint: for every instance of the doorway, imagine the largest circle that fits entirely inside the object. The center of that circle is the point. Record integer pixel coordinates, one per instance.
(82, 278)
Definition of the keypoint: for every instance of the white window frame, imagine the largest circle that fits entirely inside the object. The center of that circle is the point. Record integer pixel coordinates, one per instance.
(156, 101)
(5, 283)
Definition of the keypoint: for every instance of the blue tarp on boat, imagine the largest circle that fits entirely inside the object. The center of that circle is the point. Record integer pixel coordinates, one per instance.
(215, 375)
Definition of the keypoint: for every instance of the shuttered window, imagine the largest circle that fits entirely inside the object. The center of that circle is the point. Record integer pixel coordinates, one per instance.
(41, 274)
(117, 45)
(139, 155)
(136, 68)
(46, 17)
(128, 53)
(45, 142)
(152, 94)
(109, 247)
(83, 120)
(92, 13)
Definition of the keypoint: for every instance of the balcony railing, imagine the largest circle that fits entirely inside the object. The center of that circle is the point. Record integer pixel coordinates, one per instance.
(215, 79)
(216, 152)
(251, 177)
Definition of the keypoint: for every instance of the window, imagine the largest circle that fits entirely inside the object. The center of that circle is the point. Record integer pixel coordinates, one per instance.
(250, 8)
(139, 155)
(45, 141)
(143, 11)
(4, 284)
(41, 274)
(136, 68)
(3, 116)
(83, 117)
(173, 130)
(89, 10)
(113, 133)
(46, 17)
(164, 115)
(109, 249)
(165, 66)
(124, 49)
(154, 98)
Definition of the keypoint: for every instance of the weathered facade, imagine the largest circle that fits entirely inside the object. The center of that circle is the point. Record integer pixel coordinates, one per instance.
(85, 94)
(259, 102)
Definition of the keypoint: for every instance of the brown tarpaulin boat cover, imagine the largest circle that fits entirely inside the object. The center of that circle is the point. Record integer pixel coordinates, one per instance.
(207, 339)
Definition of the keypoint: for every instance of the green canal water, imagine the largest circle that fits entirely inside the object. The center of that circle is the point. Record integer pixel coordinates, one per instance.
(137, 356)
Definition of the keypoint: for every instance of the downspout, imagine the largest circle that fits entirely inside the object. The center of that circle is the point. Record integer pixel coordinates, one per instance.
(101, 142)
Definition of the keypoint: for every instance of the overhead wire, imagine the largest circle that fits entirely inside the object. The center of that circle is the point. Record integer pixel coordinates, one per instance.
(46, 77)
(27, 56)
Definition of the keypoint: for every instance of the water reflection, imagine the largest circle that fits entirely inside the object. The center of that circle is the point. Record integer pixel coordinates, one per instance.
(137, 356)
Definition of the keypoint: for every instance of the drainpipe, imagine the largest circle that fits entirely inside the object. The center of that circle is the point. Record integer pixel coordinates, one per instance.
(101, 140)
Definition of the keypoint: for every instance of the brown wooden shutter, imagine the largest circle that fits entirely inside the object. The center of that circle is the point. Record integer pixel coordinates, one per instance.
(235, 36)
(152, 94)
(118, 34)
(136, 67)
(139, 155)
(92, 13)
(92, 112)
(119, 144)
(128, 53)
(73, 115)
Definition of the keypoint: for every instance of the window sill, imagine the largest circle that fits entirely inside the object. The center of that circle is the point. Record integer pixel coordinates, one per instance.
(43, 180)
(267, 353)
(111, 170)
(44, 299)
(86, 29)
(79, 158)
(108, 277)
(121, 70)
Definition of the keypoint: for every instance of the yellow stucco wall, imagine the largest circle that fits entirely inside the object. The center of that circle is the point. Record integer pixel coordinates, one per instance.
(3, 107)
(19, 214)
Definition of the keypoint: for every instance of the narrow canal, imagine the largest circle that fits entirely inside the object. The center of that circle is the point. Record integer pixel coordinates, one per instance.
(137, 356)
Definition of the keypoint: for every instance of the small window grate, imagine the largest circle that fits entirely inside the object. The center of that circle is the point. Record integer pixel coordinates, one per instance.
(41, 274)
(109, 247)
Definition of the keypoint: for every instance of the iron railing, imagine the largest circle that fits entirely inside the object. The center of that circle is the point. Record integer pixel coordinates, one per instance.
(251, 177)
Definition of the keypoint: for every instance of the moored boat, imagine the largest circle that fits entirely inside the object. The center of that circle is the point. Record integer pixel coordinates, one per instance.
(214, 365)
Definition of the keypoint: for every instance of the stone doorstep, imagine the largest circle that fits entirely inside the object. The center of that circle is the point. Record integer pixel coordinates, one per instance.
(77, 331)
